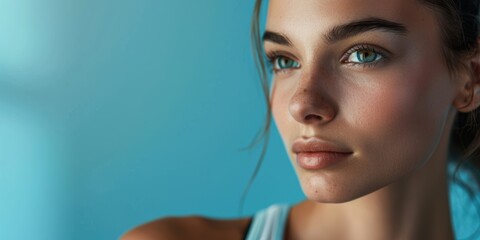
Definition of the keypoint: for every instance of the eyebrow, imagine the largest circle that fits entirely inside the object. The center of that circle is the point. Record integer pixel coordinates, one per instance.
(341, 32)
(276, 38)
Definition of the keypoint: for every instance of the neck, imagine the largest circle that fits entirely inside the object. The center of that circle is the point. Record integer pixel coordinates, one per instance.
(416, 207)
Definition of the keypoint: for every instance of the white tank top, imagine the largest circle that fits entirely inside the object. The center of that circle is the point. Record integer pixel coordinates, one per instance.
(269, 223)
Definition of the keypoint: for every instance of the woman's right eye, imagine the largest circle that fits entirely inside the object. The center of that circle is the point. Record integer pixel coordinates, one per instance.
(282, 63)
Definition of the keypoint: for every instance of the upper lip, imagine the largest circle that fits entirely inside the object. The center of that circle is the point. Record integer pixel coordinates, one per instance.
(316, 145)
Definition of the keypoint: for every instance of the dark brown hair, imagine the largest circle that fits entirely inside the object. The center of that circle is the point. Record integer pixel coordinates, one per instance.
(459, 23)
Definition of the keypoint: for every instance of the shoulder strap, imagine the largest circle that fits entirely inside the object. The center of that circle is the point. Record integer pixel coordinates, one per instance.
(269, 223)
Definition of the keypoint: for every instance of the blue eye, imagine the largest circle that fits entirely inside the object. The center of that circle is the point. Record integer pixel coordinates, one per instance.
(284, 63)
(363, 55)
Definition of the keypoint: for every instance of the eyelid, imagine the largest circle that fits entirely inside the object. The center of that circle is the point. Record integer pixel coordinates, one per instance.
(273, 55)
(365, 46)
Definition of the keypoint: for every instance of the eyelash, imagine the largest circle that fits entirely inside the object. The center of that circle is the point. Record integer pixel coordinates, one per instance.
(271, 58)
(273, 55)
(364, 47)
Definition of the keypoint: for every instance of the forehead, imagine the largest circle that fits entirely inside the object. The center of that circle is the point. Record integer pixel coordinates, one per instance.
(303, 17)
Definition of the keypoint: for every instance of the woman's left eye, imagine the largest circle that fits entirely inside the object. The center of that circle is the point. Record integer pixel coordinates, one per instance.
(363, 56)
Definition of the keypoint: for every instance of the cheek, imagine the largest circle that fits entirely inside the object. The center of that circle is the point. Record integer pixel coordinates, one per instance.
(402, 117)
(280, 98)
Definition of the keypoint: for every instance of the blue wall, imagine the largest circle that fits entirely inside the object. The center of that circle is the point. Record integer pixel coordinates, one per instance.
(114, 113)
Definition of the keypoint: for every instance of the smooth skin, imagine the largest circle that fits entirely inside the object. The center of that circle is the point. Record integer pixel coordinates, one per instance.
(387, 96)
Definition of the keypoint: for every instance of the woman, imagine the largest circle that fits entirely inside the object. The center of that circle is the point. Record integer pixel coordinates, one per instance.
(371, 99)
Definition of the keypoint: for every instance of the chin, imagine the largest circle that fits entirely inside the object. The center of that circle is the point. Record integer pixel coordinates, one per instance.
(321, 189)
(330, 197)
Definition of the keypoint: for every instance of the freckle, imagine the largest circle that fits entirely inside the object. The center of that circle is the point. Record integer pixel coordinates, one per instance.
(304, 90)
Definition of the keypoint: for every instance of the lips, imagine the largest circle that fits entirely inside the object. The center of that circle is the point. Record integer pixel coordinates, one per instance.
(316, 154)
(316, 145)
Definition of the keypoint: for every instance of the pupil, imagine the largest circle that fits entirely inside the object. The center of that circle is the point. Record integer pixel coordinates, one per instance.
(366, 56)
(285, 62)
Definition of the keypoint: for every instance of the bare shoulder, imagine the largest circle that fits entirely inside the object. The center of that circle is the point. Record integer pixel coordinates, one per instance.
(190, 227)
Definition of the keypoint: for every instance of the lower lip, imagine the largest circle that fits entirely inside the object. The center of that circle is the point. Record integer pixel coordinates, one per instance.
(320, 160)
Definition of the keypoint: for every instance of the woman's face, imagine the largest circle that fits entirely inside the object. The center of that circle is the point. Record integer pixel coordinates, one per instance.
(367, 76)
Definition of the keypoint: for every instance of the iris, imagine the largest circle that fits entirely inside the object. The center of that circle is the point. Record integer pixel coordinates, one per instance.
(364, 56)
(285, 63)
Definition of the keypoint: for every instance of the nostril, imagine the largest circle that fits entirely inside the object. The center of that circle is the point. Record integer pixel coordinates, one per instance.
(313, 107)
(311, 116)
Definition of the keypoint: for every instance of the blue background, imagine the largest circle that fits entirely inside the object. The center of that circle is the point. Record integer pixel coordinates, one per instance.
(115, 113)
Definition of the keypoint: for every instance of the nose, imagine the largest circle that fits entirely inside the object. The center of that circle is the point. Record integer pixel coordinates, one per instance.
(310, 103)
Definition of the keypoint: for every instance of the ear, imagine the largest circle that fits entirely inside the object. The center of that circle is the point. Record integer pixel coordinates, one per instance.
(468, 97)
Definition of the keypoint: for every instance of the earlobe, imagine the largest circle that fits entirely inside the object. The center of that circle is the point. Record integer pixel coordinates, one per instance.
(468, 98)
